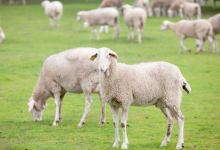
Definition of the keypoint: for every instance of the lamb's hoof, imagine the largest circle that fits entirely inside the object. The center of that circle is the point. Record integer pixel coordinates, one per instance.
(115, 145)
(101, 123)
(55, 123)
(189, 50)
(81, 124)
(179, 146)
(124, 146)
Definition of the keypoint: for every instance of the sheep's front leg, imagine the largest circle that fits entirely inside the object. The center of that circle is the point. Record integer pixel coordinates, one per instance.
(128, 33)
(132, 33)
(61, 102)
(116, 29)
(182, 46)
(51, 22)
(57, 103)
(124, 116)
(115, 112)
(102, 121)
(139, 31)
(200, 46)
(170, 123)
(94, 30)
(87, 109)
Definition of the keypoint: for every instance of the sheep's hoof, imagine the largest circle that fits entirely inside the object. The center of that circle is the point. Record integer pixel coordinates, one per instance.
(196, 53)
(81, 124)
(163, 143)
(189, 50)
(55, 123)
(124, 146)
(101, 123)
(182, 145)
(60, 119)
(179, 146)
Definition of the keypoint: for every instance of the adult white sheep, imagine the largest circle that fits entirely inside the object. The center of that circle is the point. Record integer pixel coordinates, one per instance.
(156, 83)
(2, 35)
(175, 7)
(112, 3)
(190, 10)
(134, 17)
(68, 71)
(101, 16)
(53, 10)
(215, 22)
(199, 29)
(162, 4)
(142, 4)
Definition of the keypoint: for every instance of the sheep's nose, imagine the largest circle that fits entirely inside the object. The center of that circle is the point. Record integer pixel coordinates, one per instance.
(101, 68)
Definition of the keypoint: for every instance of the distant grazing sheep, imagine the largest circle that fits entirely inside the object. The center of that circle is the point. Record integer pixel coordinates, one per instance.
(144, 84)
(199, 29)
(134, 17)
(68, 71)
(112, 3)
(53, 10)
(190, 10)
(142, 4)
(101, 16)
(2, 35)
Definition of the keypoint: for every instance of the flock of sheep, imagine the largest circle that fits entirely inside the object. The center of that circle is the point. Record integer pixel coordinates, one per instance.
(91, 70)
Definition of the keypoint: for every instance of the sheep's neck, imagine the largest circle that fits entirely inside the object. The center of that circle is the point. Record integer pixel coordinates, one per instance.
(171, 26)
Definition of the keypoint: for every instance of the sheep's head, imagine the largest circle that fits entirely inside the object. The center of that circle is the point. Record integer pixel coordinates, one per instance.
(86, 24)
(36, 112)
(126, 7)
(164, 25)
(170, 13)
(104, 56)
(44, 3)
(79, 15)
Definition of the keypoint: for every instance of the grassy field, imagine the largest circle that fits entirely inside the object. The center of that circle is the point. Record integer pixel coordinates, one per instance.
(30, 40)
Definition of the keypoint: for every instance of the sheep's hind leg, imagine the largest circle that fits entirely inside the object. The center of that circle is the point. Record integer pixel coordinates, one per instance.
(124, 116)
(61, 102)
(200, 46)
(139, 31)
(170, 123)
(57, 102)
(128, 33)
(51, 22)
(115, 112)
(102, 121)
(182, 46)
(213, 44)
(180, 119)
(87, 109)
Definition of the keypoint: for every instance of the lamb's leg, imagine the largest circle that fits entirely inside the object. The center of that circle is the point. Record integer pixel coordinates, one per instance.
(170, 123)
(180, 119)
(182, 46)
(87, 109)
(200, 46)
(132, 33)
(61, 102)
(57, 103)
(115, 112)
(102, 121)
(213, 44)
(124, 116)
(101, 29)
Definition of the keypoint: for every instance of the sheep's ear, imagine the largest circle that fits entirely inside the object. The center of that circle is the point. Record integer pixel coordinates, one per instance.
(93, 57)
(31, 104)
(113, 54)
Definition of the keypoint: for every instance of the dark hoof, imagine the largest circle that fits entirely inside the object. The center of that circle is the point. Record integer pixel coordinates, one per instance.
(189, 50)
(182, 145)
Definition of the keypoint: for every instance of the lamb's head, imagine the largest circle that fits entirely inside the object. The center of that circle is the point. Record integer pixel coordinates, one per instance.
(79, 15)
(44, 3)
(170, 13)
(126, 7)
(36, 112)
(104, 56)
(164, 25)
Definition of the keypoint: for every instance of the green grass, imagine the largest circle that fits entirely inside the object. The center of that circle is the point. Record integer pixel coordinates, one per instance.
(30, 40)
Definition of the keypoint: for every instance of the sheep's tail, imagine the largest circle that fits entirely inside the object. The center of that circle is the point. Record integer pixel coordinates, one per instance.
(186, 86)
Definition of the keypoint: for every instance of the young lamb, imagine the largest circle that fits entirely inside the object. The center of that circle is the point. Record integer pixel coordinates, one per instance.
(136, 18)
(215, 22)
(68, 71)
(112, 3)
(101, 16)
(162, 4)
(2, 35)
(175, 6)
(144, 84)
(53, 10)
(190, 10)
(199, 29)
(142, 4)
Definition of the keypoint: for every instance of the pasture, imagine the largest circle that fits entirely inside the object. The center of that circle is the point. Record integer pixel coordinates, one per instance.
(30, 40)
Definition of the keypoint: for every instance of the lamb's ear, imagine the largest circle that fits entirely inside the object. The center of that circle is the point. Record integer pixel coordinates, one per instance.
(113, 54)
(93, 57)
(31, 104)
